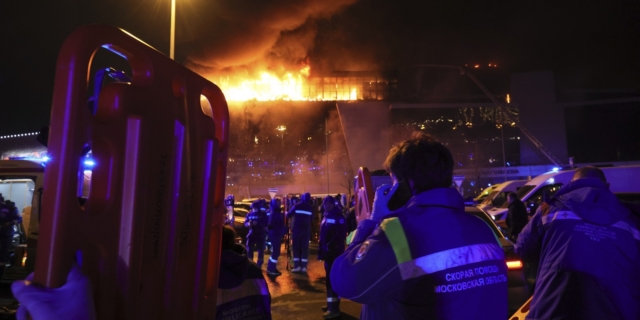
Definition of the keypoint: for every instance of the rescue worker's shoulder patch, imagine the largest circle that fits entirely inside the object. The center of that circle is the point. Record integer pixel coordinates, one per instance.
(362, 251)
(341, 221)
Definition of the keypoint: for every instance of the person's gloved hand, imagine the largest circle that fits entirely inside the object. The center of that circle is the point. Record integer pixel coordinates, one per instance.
(74, 300)
(380, 201)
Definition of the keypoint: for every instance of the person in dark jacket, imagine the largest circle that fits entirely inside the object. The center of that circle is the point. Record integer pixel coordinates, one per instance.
(428, 259)
(588, 247)
(276, 230)
(517, 216)
(256, 221)
(301, 215)
(333, 232)
(9, 217)
(352, 223)
(242, 291)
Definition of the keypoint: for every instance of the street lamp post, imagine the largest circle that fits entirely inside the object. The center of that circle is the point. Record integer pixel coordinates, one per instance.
(172, 36)
(326, 135)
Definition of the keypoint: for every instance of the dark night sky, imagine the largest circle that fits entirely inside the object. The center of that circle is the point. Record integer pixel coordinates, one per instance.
(590, 44)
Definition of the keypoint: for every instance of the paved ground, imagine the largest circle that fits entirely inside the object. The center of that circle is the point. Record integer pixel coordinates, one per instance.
(298, 296)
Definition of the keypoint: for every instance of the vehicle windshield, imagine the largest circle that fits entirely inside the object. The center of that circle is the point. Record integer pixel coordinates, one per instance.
(542, 194)
(520, 194)
(488, 199)
(484, 193)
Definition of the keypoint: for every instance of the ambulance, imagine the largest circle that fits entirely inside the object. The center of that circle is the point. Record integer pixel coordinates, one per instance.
(623, 181)
(21, 181)
(498, 195)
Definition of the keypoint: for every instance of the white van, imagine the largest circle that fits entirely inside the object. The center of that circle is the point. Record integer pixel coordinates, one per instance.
(498, 195)
(483, 195)
(622, 180)
(21, 181)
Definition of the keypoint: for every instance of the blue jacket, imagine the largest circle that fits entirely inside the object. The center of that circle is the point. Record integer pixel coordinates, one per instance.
(428, 260)
(257, 224)
(302, 213)
(276, 224)
(588, 247)
(333, 234)
(9, 216)
(242, 291)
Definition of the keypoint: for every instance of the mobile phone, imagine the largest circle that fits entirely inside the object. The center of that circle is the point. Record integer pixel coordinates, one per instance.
(401, 196)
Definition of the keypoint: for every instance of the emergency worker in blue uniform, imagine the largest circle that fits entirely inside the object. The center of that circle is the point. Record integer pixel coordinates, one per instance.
(426, 259)
(301, 215)
(242, 291)
(333, 233)
(256, 221)
(588, 247)
(276, 230)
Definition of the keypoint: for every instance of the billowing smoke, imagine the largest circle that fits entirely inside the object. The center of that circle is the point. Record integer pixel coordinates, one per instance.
(247, 36)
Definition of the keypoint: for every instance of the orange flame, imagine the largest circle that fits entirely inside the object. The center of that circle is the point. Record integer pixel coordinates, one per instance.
(296, 85)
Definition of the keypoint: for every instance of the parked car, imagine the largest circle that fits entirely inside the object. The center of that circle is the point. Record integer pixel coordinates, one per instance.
(518, 288)
(243, 205)
(239, 217)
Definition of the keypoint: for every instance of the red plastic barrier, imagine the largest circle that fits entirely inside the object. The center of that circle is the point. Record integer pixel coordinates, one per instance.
(150, 230)
(522, 313)
(364, 194)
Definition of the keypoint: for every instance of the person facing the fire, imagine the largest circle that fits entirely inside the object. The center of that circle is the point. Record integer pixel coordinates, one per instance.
(276, 230)
(256, 221)
(420, 255)
(333, 233)
(301, 232)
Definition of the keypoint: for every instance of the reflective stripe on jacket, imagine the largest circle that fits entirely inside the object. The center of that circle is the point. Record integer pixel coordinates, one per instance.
(430, 261)
(301, 214)
(588, 247)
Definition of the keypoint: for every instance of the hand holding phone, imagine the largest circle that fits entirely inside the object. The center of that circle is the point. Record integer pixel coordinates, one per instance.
(380, 201)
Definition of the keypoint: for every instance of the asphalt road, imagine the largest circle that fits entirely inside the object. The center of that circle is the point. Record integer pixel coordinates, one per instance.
(302, 296)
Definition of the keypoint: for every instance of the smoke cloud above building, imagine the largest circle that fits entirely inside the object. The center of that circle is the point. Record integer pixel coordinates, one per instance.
(243, 36)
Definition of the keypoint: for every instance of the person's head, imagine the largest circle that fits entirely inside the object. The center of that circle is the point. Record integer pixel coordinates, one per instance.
(228, 238)
(328, 203)
(306, 197)
(511, 197)
(274, 204)
(294, 200)
(256, 205)
(422, 162)
(590, 173)
(263, 204)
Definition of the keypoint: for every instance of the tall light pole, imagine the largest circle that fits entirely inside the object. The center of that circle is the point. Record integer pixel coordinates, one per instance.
(172, 36)
(326, 137)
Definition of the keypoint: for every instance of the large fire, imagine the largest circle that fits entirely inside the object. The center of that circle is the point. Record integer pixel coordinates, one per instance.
(297, 85)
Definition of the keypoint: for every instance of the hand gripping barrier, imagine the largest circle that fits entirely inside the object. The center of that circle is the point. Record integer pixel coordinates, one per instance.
(364, 194)
(150, 230)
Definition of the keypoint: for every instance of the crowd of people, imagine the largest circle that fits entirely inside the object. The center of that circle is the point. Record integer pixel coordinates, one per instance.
(426, 258)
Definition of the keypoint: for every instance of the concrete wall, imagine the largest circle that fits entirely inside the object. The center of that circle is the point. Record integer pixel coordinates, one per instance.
(534, 92)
